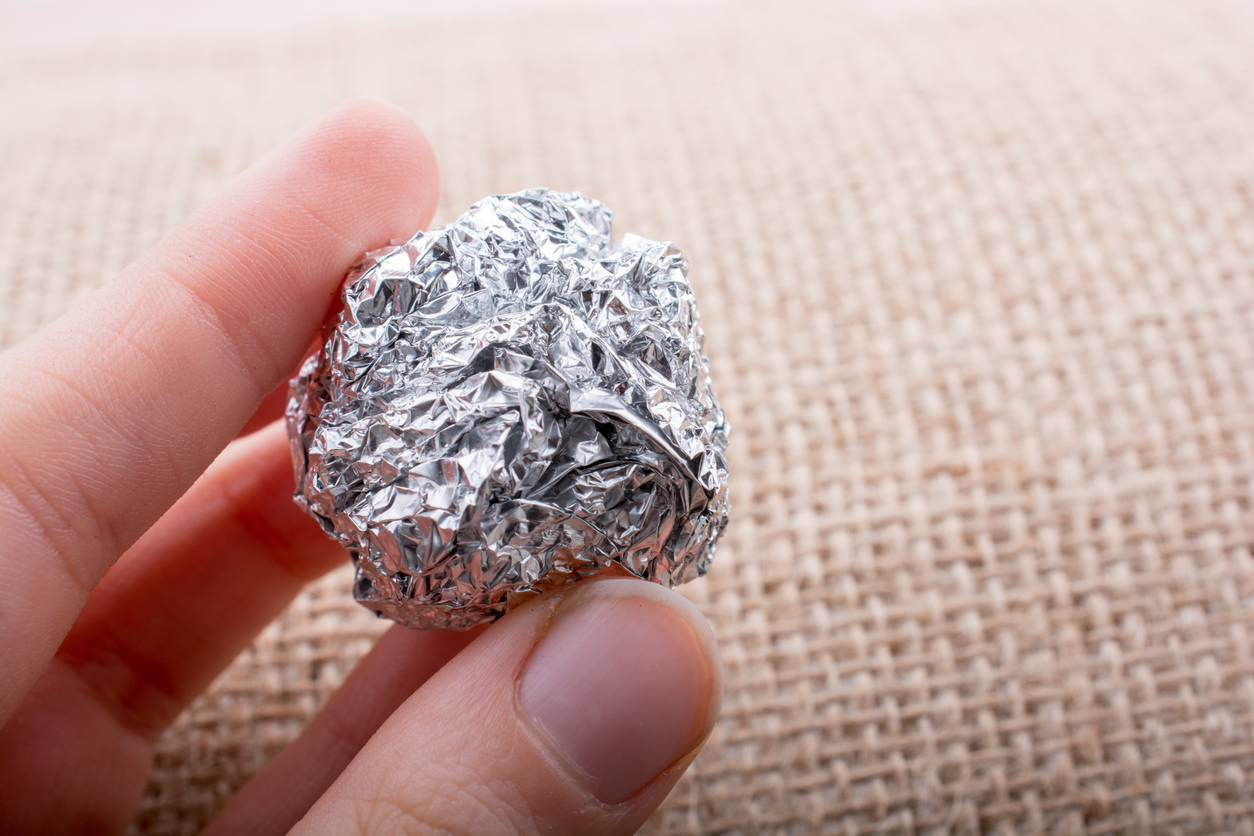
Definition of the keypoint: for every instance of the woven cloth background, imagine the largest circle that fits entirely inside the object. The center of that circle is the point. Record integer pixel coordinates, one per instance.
(978, 282)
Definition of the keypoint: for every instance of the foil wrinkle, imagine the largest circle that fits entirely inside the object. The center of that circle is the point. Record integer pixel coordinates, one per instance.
(509, 403)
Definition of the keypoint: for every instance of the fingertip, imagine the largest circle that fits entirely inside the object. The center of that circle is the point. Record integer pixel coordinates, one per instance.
(601, 694)
(374, 156)
(626, 681)
(383, 144)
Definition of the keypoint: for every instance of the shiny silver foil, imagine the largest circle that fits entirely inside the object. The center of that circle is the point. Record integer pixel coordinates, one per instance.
(509, 403)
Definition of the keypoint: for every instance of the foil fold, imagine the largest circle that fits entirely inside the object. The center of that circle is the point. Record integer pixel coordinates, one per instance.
(509, 403)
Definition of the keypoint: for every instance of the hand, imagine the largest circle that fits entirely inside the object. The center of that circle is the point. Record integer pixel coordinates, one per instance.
(133, 566)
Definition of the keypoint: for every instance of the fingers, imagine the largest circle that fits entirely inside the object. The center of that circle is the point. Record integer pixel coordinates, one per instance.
(268, 411)
(196, 588)
(116, 408)
(289, 785)
(174, 610)
(575, 713)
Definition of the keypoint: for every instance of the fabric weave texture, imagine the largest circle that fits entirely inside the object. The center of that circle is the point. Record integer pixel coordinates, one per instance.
(977, 280)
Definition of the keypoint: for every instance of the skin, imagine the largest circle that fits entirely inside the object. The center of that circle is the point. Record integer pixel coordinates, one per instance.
(141, 548)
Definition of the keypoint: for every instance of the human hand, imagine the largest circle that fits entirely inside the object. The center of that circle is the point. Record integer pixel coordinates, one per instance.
(134, 567)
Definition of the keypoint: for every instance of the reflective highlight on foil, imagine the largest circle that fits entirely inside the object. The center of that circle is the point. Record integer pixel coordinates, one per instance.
(509, 403)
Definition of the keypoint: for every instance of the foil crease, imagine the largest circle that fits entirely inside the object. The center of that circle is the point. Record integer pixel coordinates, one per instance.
(509, 403)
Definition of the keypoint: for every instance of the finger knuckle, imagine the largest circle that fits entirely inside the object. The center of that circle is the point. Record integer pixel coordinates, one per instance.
(454, 803)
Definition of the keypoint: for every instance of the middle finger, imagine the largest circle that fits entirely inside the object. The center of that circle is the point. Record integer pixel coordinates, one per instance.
(399, 664)
(170, 615)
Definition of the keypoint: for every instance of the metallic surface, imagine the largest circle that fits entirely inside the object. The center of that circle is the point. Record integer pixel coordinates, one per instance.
(509, 403)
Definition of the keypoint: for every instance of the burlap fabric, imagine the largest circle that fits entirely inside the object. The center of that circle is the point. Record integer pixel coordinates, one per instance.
(978, 281)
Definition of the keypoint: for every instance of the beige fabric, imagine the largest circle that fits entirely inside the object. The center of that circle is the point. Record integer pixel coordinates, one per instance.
(978, 280)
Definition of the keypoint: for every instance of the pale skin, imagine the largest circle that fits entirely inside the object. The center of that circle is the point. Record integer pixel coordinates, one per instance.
(147, 533)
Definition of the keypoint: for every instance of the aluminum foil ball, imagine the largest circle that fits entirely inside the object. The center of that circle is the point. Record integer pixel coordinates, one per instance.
(509, 403)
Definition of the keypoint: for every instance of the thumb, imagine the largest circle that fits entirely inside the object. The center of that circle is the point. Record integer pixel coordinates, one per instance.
(576, 713)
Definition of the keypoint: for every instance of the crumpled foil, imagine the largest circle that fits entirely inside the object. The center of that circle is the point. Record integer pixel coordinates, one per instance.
(509, 403)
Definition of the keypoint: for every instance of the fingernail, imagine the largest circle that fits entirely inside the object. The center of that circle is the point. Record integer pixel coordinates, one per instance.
(625, 682)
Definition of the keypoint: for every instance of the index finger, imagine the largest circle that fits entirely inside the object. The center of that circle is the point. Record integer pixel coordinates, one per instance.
(109, 414)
